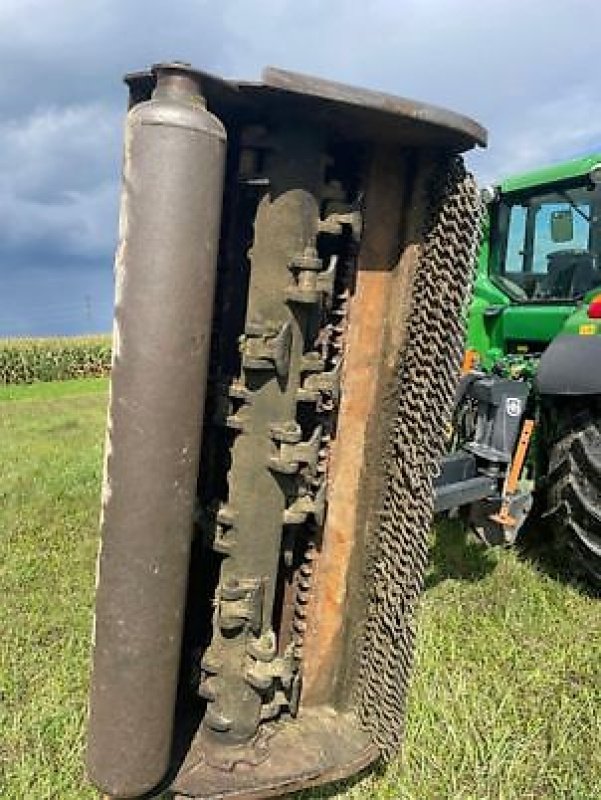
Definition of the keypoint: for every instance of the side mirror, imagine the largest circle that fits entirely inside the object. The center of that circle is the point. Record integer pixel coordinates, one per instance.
(595, 175)
(489, 194)
(562, 226)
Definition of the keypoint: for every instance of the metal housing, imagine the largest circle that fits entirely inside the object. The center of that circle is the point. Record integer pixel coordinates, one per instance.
(347, 215)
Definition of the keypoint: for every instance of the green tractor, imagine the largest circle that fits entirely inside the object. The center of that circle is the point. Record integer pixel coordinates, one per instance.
(526, 439)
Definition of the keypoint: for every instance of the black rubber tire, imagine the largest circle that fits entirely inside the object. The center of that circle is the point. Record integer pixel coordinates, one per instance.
(574, 487)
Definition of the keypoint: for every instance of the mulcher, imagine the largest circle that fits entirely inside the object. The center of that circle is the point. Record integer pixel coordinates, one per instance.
(293, 264)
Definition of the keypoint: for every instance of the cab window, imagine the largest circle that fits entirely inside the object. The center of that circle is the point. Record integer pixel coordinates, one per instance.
(549, 244)
(544, 246)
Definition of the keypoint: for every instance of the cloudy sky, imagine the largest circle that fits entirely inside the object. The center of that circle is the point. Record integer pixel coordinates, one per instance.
(526, 69)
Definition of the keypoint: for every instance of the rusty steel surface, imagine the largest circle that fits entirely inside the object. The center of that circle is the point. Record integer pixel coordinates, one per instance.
(363, 376)
(262, 677)
(319, 747)
(424, 384)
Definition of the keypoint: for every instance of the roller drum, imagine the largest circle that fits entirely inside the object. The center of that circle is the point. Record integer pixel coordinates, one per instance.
(165, 274)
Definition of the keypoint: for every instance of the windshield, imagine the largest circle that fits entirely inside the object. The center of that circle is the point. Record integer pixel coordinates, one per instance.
(549, 244)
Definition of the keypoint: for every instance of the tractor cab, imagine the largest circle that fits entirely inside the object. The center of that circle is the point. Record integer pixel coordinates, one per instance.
(541, 259)
(527, 418)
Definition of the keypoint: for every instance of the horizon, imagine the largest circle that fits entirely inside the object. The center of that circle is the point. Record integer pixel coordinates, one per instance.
(62, 112)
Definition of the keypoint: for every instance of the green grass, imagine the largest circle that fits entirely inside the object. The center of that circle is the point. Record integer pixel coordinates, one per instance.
(51, 443)
(506, 700)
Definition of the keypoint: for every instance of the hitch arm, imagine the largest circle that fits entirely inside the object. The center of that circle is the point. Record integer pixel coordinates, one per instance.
(503, 517)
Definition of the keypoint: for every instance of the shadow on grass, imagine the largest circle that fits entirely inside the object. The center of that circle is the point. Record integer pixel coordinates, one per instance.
(539, 546)
(456, 553)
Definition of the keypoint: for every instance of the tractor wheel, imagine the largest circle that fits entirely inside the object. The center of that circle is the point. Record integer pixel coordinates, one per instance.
(574, 487)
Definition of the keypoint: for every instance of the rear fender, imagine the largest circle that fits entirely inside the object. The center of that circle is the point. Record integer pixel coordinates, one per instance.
(571, 366)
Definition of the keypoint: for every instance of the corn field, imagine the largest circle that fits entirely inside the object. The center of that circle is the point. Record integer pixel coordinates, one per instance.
(54, 359)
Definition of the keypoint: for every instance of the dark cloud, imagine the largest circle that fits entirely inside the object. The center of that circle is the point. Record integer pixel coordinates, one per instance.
(68, 52)
(523, 69)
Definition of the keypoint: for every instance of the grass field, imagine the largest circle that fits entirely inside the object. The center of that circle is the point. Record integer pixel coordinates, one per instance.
(506, 701)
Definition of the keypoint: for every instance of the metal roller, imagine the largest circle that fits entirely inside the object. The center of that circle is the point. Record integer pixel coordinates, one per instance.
(165, 275)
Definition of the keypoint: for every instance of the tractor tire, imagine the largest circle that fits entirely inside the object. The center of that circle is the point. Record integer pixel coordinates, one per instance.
(574, 489)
